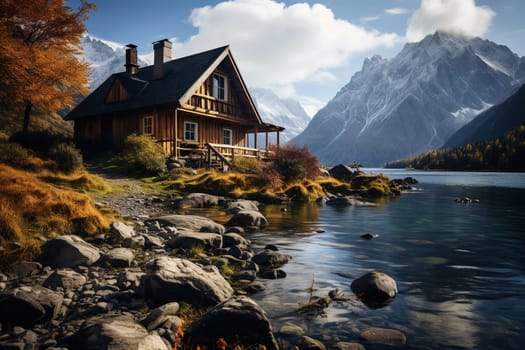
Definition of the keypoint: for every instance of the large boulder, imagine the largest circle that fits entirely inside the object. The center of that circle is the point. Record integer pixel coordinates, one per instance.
(270, 259)
(238, 205)
(239, 320)
(191, 222)
(375, 289)
(68, 251)
(20, 308)
(197, 200)
(172, 279)
(66, 279)
(248, 218)
(116, 332)
(50, 300)
(189, 239)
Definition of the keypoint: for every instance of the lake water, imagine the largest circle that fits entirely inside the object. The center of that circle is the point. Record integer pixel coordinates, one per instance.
(460, 268)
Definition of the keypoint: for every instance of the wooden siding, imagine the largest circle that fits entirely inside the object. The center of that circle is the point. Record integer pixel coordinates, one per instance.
(117, 93)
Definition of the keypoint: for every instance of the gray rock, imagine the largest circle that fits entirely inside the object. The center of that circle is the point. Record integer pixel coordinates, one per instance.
(241, 204)
(348, 346)
(248, 218)
(191, 222)
(271, 259)
(20, 308)
(50, 300)
(129, 279)
(119, 231)
(307, 343)
(116, 332)
(189, 239)
(272, 274)
(151, 241)
(66, 279)
(134, 242)
(239, 320)
(158, 316)
(375, 289)
(235, 229)
(291, 330)
(173, 279)
(231, 239)
(68, 251)
(197, 200)
(119, 257)
(23, 269)
(383, 336)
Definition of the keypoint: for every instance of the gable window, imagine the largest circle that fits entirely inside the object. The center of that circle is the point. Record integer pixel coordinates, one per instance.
(191, 131)
(147, 125)
(227, 136)
(220, 87)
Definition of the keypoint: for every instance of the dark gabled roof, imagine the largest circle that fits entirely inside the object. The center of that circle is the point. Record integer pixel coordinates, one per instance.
(181, 78)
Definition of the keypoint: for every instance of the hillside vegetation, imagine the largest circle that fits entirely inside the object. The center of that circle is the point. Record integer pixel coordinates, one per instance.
(502, 154)
(38, 201)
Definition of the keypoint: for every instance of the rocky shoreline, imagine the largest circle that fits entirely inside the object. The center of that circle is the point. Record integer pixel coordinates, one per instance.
(127, 288)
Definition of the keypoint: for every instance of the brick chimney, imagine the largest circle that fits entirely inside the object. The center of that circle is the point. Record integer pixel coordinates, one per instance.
(132, 66)
(162, 52)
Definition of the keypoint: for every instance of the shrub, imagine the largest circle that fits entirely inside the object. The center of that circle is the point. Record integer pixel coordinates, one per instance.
(294, 163)
(67, 157)
(143, 154)
(246, 165)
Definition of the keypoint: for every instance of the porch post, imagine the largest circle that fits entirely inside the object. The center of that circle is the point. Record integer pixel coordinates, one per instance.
(255, 138)
(175, 147)
(278, 142)
(266, 139)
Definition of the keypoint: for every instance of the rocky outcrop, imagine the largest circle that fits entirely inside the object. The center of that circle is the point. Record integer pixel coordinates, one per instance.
(233, 207)
(119, 231)
(118, 257)
(344, 173)
(68, 251)
(271, 259)
(239, 320)
(174, 279)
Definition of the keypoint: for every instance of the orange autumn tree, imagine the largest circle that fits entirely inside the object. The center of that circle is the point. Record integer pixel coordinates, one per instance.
(39, 47)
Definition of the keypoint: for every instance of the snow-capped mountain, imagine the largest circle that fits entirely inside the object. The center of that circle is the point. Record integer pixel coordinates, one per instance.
(286, 112)
(399, 107)
(107, 57)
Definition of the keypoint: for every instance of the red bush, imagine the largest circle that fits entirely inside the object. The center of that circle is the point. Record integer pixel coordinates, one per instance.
(294, 163)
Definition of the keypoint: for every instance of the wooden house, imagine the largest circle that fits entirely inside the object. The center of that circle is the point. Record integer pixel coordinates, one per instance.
(197, 104)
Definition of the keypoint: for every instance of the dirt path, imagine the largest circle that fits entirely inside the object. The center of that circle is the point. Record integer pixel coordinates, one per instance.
(135, 201)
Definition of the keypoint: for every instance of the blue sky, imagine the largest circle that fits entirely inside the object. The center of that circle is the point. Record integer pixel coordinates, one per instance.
(302, 49)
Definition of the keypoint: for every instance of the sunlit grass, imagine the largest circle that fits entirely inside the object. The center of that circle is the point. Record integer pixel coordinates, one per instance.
(32, 210)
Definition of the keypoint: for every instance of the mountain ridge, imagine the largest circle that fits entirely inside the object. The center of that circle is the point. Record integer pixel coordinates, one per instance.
(413, 102)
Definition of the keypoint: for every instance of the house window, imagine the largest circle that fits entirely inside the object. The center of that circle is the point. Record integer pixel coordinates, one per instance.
(147, 125)
(219, 87)
(190, 131)
(227, 136)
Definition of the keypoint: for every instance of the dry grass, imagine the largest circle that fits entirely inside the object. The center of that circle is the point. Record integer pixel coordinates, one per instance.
(32, 209)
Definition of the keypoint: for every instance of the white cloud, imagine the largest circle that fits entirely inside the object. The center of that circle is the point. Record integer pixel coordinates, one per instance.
(276, 45)
(370, 18)
(396, 11)
(457, 16)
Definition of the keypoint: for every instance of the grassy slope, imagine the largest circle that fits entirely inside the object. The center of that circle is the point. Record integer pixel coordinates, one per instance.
(35, 205)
